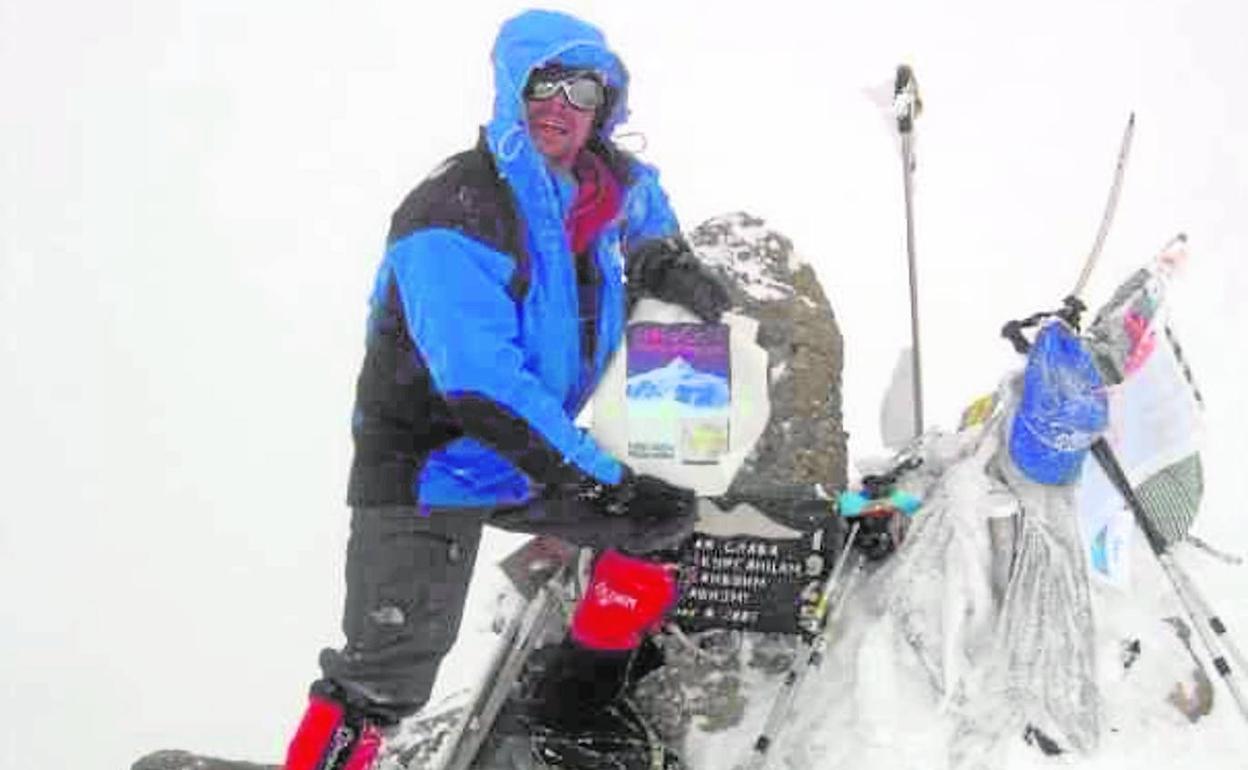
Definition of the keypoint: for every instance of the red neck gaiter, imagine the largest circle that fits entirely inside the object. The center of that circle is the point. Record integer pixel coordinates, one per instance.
(597, 201)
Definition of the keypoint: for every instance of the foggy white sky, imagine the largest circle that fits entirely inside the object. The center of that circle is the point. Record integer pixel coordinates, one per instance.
(194, 196)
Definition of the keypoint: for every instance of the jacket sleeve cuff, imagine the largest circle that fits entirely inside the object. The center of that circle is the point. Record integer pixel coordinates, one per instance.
(511, 436)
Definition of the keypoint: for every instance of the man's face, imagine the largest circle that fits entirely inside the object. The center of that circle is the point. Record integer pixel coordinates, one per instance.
(560, 112)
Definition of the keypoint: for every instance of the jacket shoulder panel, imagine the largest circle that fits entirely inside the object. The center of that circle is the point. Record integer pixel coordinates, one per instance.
(467, 195)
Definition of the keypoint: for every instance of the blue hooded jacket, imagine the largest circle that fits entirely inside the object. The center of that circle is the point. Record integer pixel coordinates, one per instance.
(473, 369)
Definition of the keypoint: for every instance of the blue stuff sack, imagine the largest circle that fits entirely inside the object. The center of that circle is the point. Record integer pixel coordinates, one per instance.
(1062, 411)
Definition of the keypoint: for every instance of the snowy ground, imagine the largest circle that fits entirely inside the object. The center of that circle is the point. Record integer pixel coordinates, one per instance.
(193, 196)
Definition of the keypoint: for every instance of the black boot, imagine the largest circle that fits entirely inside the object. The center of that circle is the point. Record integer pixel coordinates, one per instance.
(578, 684)
(583, 716)
(621, 740)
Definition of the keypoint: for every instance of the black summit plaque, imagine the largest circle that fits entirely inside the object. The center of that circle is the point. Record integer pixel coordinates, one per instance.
(751, 583)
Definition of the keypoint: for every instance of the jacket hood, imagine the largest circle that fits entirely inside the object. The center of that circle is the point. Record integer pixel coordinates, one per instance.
(537, 38)
(526, 42)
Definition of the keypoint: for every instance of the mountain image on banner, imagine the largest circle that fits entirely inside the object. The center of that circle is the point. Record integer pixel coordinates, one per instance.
(678, 391)
(679, 381)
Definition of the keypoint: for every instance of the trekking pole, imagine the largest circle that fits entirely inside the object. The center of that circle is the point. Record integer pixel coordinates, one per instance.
(832, 596)
(907, 106)
(1212, 637)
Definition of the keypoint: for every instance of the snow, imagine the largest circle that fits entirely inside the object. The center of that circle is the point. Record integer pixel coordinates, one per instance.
(895, 721)
(740, 262)
(194, 200)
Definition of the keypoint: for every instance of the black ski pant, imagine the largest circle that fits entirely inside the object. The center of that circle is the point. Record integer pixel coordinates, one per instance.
(407, 577)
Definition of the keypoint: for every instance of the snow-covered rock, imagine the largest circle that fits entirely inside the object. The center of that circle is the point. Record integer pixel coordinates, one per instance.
(804, 443)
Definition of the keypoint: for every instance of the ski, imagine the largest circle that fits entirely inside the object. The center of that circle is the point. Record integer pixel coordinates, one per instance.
(526, 630)
(1111, 206)
(545, 571)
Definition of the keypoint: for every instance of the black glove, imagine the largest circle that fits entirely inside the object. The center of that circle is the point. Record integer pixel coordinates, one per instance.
(667, 269)
(639, 496)
(693, 287)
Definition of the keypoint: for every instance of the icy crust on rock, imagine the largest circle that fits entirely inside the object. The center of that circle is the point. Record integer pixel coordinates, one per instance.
(756, 259)
(803, 444)
(185, 760)
(711, 699)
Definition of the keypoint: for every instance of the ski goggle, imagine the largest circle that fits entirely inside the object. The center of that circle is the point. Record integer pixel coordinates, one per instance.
(583, 90)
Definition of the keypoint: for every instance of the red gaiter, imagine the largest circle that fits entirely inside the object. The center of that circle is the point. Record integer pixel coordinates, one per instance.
(324, 740)
(626, 599)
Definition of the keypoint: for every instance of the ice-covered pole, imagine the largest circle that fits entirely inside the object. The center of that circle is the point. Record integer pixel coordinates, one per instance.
(906, 107)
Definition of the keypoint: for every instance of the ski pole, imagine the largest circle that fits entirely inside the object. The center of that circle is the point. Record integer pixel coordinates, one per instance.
(827, 610)
(1104, 455)
(1210, 629)
(1216, 553)
(906, 106)
(1213, 620)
